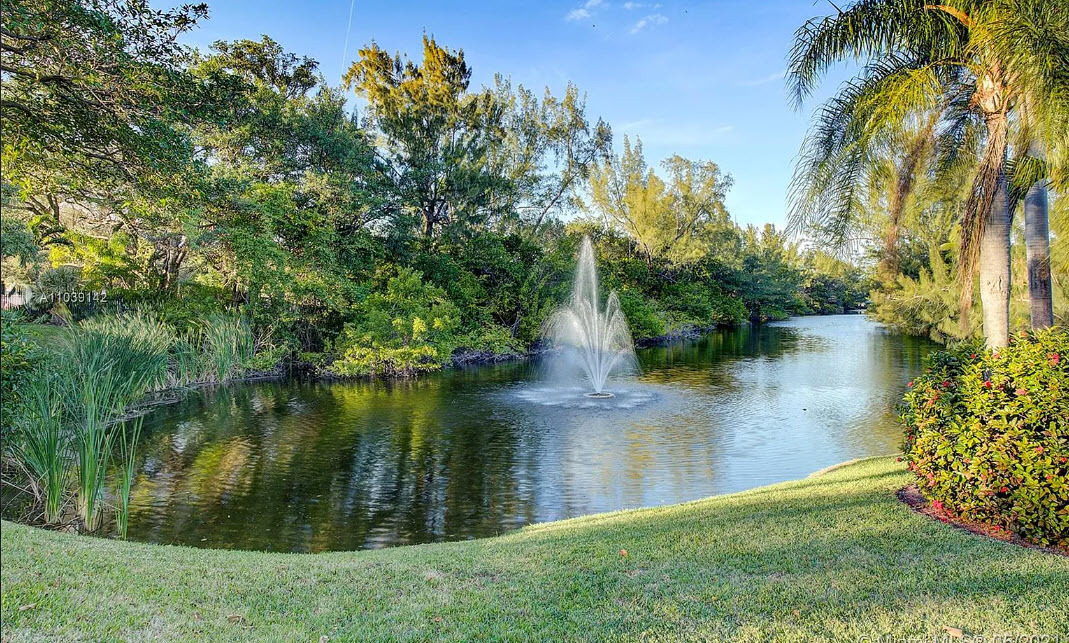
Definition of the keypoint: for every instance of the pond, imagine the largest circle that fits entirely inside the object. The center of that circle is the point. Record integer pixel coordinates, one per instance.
(467, 453)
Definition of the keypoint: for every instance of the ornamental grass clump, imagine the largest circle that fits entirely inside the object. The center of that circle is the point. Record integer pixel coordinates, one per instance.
(105, 366)
(73, 430)
(987, 435)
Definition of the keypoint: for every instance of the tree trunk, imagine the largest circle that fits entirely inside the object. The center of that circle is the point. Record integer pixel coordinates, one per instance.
(1037, 246)
(995, 268)
(888, 268)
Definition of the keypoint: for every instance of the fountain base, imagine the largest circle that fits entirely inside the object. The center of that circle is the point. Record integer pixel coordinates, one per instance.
(600, 396)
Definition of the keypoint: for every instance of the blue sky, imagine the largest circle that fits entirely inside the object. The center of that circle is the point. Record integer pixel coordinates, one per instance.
(700, 79)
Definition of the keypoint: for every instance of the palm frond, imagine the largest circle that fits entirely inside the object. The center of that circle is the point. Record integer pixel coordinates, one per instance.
(868, 29)
(852, 132)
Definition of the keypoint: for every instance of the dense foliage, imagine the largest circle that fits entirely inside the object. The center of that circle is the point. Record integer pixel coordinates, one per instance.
(18, 354)
(987, 434)
(234, 180)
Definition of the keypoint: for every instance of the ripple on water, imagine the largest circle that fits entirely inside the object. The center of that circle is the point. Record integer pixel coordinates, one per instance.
(624, 396)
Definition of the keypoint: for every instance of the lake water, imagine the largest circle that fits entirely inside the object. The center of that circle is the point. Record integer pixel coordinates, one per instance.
(310, 467)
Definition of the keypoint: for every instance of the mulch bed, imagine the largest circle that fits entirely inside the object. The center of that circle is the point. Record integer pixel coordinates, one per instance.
(912, 497)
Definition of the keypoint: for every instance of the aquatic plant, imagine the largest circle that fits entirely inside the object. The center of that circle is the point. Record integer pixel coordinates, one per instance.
(127, 440)
(227, 344)
(105, 366)
(43, 445)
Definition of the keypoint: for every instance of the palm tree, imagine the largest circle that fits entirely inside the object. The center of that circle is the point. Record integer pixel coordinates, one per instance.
(972, 61)
(1037, 248)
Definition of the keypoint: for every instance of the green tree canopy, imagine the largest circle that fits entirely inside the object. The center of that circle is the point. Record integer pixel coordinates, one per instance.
(669, 218)
(435, 135)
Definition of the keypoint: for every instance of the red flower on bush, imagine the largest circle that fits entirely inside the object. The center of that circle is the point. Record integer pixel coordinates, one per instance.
(989, 478)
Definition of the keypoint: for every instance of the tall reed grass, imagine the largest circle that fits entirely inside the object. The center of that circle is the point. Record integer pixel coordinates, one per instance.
(227, 344)
(43, 444)
(216, 350)
(128, 436)
(101, 367)
(106, 366)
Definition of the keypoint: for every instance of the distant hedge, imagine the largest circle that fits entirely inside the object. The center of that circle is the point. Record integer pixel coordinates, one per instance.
(987, 434)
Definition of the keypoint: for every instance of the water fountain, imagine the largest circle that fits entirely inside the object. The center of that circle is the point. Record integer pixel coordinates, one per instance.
(595, 340)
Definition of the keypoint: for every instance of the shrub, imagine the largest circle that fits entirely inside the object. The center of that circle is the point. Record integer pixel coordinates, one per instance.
(385, 361)
(185, 311)
(405, 330)
(18, 355)
(491, 339)
(644, 316)
(987, 434)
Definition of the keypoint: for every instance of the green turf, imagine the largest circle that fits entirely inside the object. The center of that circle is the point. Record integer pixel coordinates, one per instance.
(833, 557)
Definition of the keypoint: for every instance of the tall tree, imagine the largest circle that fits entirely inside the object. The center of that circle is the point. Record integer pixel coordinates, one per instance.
(94, 97)
(667, 218)
(435, 135)
(548, 149)
(294, 189)
(971, 59)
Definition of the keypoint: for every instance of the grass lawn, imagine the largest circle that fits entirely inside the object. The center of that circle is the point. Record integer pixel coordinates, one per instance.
(833, 557)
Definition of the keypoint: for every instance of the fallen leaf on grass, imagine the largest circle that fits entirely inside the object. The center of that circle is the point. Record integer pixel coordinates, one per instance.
(623, 552)
(953, 632)
(236, 619)
(27, 606)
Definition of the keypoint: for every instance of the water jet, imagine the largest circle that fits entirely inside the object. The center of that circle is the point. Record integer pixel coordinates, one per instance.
(595, 340)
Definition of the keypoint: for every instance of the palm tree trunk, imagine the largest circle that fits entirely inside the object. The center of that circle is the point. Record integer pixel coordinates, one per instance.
(995, 267)
(1037, 247)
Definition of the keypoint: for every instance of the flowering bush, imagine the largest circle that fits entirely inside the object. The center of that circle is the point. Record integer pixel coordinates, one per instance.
(987, 434)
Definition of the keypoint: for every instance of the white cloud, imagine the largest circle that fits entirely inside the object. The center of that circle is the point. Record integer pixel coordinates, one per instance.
(765, 80)
(652, 19)
(583, 12)
(631, 6)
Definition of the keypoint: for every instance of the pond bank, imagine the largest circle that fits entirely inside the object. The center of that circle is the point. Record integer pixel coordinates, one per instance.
(833, 556)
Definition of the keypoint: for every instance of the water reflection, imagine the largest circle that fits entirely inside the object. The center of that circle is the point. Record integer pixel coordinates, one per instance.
(313, 467)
